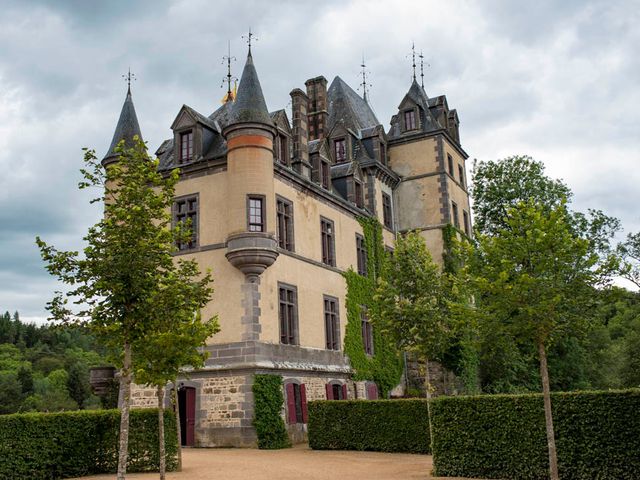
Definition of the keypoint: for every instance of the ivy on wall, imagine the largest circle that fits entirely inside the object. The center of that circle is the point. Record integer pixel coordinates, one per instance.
(269, 401)
(384, 367)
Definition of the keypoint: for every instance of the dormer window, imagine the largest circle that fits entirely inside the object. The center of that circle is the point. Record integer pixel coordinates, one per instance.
(324, 174)
(410, 120)
(282, 150)
(186, 146)
(359, 194)
(383, 153)
(340, 150)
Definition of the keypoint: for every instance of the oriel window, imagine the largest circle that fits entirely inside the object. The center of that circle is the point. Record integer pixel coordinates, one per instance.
(255, 213)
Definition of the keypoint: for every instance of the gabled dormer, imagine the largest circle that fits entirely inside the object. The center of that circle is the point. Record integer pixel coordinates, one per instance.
(349, 182)
(282, 142)
(341, 143)
(453, 125)
(321, 160)
(414, 115)
(193, 136)
(374, 140)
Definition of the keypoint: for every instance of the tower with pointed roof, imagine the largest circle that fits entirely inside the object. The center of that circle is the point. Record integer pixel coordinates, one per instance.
(126, 129)
(276, 206)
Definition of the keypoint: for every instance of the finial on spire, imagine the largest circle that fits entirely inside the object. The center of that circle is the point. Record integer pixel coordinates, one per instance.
(364, 85)
(413, 57)
(127, 78)
(229, 97)
(249, 38)
(421, 68)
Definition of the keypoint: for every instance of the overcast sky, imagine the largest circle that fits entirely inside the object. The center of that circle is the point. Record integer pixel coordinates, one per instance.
(557, 80)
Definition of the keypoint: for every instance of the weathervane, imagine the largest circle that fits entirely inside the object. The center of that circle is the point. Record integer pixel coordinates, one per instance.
(249, 37)
(228, 77)
(127, 78)
(413, 58)
(364, 83)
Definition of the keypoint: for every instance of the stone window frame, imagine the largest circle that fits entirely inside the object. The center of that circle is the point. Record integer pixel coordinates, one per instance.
(387, 210)
(330, 390)
(450, 165)
(189, 133)
(382, 150)
(255, 226)
(328, 242)
(358, 193)
(461, 175)
(288, 242)
(281, 148)
(331, 322)
(298, 414)
(361, 255)
(289, 327)
(455, 214)
(467, 224)
(195, 224)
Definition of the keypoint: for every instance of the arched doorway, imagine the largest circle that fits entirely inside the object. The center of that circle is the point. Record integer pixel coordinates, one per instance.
(187, 404)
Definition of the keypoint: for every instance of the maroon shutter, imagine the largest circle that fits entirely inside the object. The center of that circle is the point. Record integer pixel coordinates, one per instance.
(372, 391)
(291, 403)
(329, 388)
(303, 401)
(344, 391)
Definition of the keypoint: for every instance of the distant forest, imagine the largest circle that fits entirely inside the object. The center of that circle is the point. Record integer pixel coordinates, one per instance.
(45, 367)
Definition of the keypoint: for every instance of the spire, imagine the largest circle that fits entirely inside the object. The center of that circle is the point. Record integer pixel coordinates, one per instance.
(364, 84)
(249, 106)
(421, 69)
(127, 126)
(229, 78)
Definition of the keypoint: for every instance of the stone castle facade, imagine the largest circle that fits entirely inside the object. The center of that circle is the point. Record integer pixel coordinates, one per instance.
(275, 203)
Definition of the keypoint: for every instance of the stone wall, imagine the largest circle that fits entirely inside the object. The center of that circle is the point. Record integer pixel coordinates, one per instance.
(443, 381)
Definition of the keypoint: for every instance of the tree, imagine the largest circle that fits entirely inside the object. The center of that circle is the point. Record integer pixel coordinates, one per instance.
(25, 377)
(127, 254)
(78, 384)
(629, 250)
(177, 339)
(411, 304)
(10, 392)
(536, 277)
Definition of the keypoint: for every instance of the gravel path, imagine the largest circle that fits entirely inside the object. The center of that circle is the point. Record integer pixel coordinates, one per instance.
(295, 463)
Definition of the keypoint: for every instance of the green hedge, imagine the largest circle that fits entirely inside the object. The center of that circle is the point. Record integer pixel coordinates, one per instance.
(503, 436)
(378, 425)
(73, 444)
(268, 403)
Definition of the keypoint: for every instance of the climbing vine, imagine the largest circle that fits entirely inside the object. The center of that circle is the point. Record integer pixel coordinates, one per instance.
(384, 367)
(269, 401)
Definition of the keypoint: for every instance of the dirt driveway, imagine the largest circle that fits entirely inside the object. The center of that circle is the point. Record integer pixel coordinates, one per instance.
(295, 463)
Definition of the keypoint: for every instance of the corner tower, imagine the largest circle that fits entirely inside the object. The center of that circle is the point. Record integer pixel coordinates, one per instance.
(251, 244)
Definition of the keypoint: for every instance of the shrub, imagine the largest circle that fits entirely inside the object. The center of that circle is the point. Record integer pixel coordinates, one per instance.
(377, 425)
(268, 401)
(503, 436)
(72, 444)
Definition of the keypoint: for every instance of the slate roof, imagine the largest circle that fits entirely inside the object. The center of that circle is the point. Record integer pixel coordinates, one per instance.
(347, 107)
(207, 121)
(222, 115)
(126, 128)
(249, 106)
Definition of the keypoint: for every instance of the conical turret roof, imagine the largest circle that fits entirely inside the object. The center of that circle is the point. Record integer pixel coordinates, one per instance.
(250, 106)
(126, 128)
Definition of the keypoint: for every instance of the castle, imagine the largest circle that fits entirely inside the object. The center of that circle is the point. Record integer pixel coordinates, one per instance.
(274, 206)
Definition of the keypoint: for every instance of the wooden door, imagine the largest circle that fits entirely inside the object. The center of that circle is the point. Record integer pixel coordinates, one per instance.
(187, 402)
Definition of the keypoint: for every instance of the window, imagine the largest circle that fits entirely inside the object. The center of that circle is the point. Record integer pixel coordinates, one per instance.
(450, 162)
(288, 313)
(367, 332)
(461, 174)
(336, 391)
(282, 149)
(328, 242)
(410, 120)
(185, 210)
(456, 219)
(383, 153)
(386, 210)
(467, 227)
(331, 323)
(284, 223)
(359, 194)
(324, 174)
(255, 213)
(340, 150)
(361, 251)
(296, 402)
(186, 146)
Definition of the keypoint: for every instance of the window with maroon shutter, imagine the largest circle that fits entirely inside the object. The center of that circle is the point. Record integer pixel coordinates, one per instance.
(344, 391)
(291, 403)
(329, 390)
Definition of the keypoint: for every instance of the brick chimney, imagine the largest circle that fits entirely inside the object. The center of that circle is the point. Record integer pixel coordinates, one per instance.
(299, 103)
(317, 107)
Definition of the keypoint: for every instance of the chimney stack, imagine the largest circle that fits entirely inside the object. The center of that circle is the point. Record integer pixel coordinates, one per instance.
(317, 107)
(299, 103)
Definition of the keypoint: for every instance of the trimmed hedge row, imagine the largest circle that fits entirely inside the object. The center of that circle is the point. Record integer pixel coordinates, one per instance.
(503, 436)
(377, 425)
(268, 403)
(73, 444)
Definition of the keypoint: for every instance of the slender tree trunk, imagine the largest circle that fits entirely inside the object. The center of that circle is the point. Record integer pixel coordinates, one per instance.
(427, 385)
(176, 406)
(125, 388)
(546, 394)
(163, 466)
